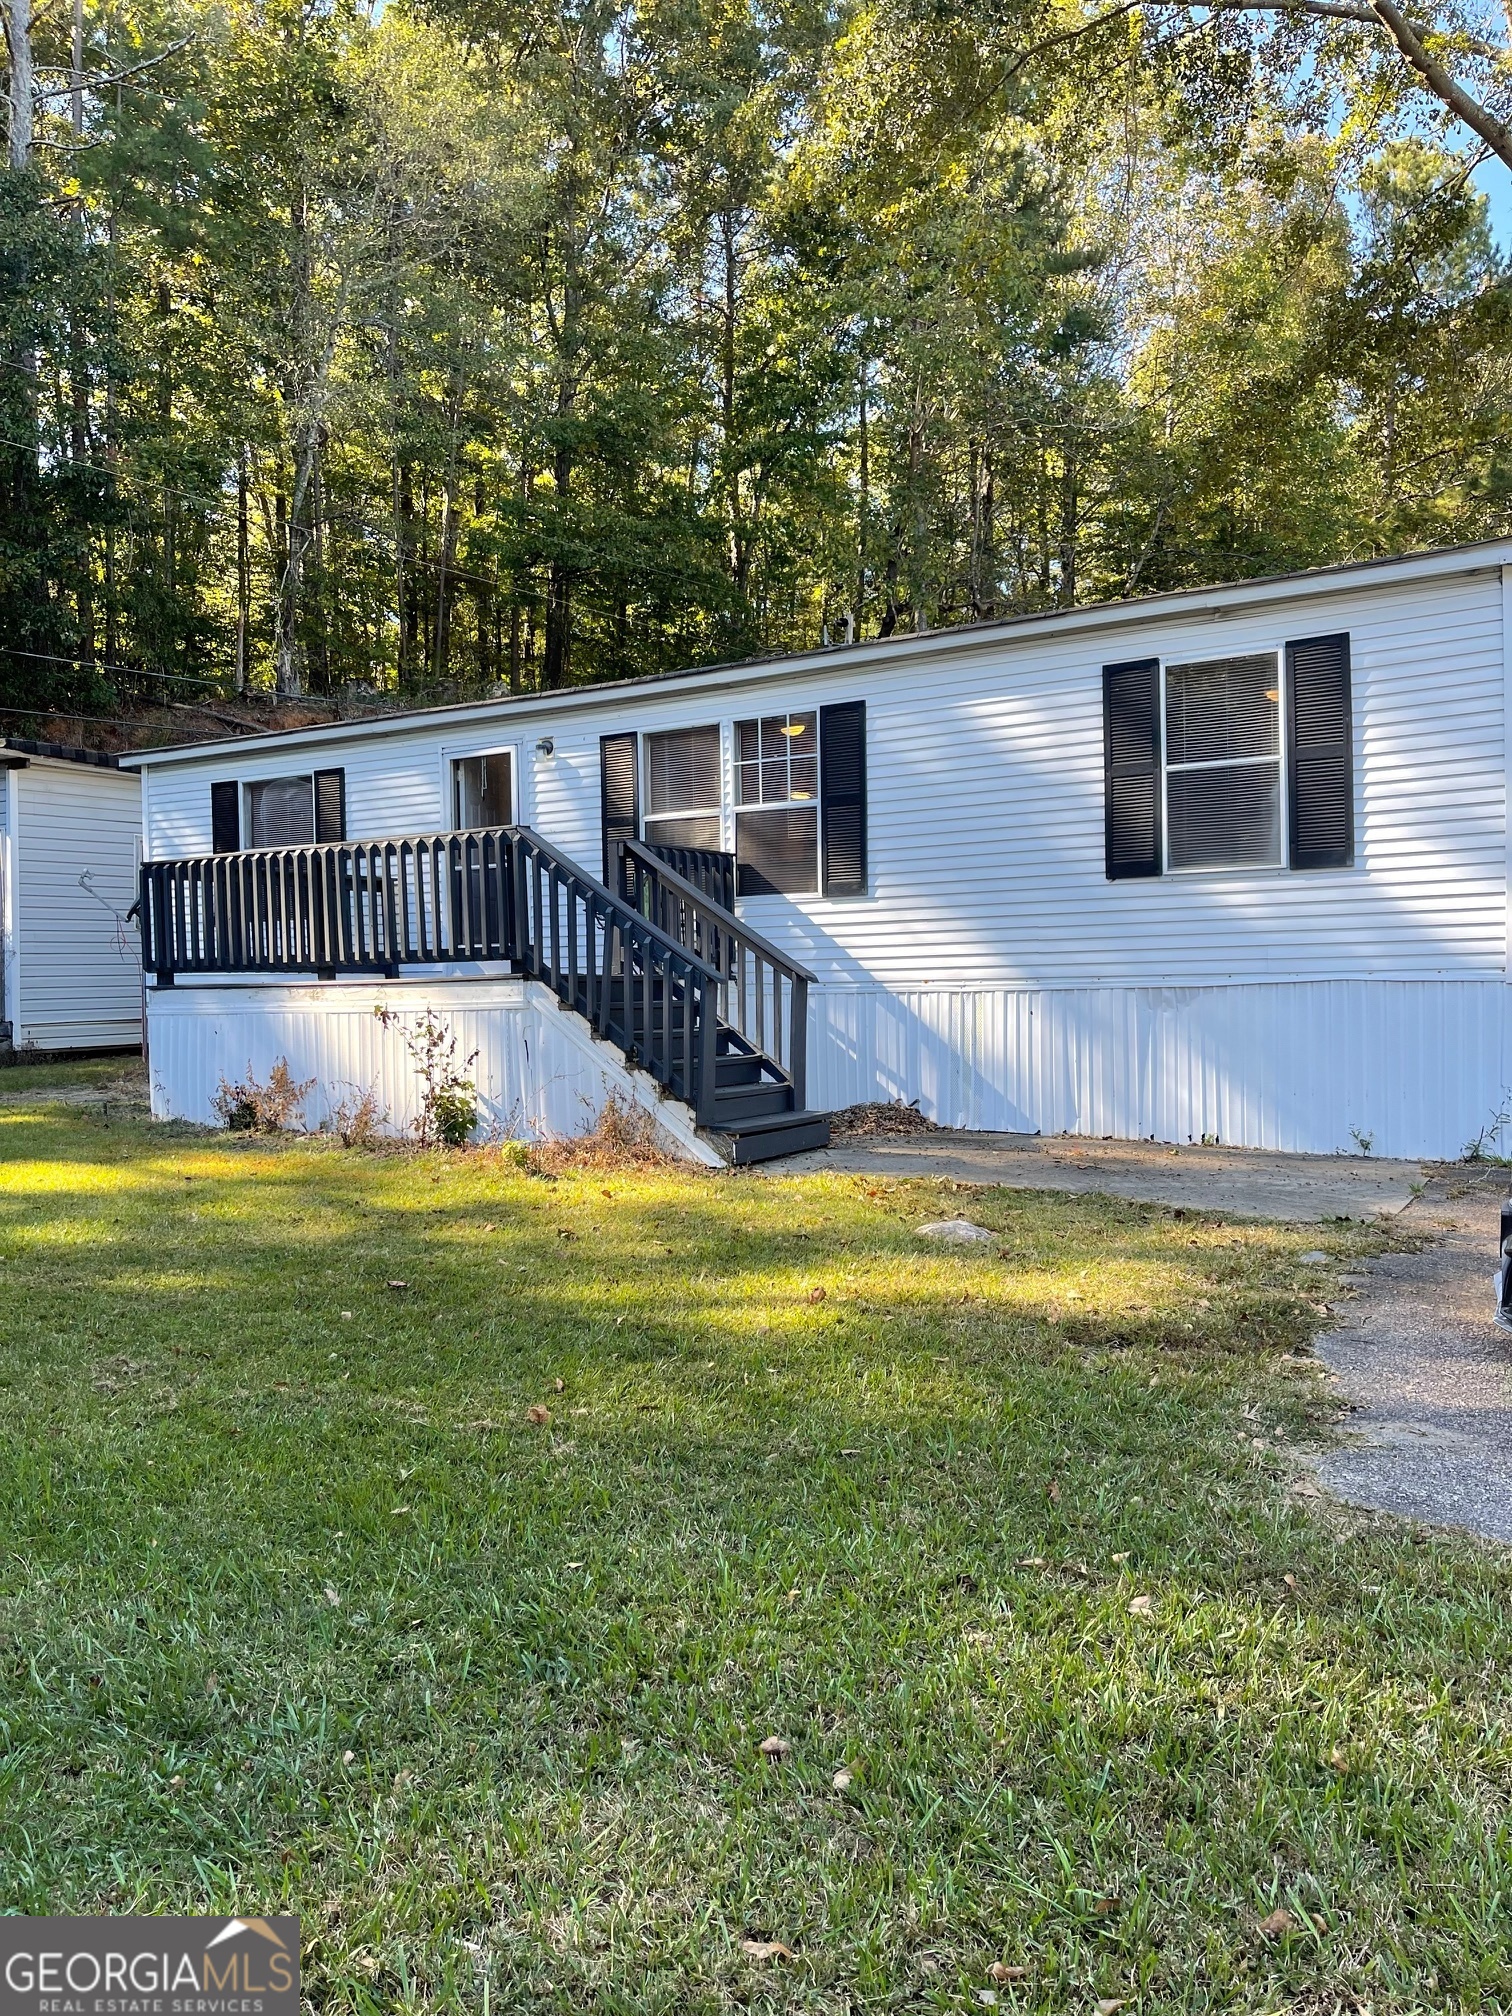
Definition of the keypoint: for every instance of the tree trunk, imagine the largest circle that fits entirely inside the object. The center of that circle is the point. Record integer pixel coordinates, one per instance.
(243, 570)
(18, 29)
(863, 502)
(76, 77)
(404, 548)
(288, 673)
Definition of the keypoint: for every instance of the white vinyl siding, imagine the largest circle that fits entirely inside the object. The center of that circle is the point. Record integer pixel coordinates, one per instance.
(75, 833)
(985, 800)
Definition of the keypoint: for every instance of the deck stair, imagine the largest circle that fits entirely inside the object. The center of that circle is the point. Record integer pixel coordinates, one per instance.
(659, 967)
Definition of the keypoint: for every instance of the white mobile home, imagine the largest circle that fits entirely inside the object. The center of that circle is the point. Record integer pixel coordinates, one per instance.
(70, 841)
(1229, 864)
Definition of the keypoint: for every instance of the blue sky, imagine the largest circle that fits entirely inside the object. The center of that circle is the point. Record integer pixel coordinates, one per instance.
(1494, 180)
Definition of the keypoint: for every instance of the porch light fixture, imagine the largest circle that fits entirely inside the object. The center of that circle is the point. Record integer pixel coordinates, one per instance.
(546, 746)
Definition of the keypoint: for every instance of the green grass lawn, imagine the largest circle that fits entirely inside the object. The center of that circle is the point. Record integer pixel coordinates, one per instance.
(123, 1071)
(300, 1611)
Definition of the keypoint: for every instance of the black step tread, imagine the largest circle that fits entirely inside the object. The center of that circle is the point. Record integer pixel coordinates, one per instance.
(738, 1069)
(782, 1134)
(751, 1102)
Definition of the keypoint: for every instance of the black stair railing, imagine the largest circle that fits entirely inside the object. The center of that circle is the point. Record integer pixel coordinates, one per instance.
(504, 893)
(763, 992)
(706, 868)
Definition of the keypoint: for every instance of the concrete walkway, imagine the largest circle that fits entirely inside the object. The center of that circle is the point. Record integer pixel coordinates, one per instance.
(1426, 1371)
(1247, 1182)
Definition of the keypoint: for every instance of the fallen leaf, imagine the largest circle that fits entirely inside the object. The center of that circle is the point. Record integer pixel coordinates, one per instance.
(816, 1294)
(176, 1780)
(1277, 1923)
(398, 1511)
(1141, 1606)
(1110, 2006)
(559, 1385)
(842, 1781)
(1032, 1561)
(1338, 1758)
(538, 1416)
(398, 1284)
(987, 1997)
(1290, 1581)
(999, 1972)
(1053, 1494)
(1119, 1559)
(349, 1756)
(776, 1747)
(1306, 1489)
(332, 1598)
(1104, 1907)
(766, 1949)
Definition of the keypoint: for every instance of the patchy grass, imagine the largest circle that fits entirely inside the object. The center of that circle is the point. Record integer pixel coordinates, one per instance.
(123, 1072)
(299, 1611)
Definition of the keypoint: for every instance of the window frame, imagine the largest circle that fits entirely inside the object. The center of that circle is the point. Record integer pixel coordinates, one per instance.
(789, 804)
(721, 812)
(1280, 865)
(480, 745)
(457, 756)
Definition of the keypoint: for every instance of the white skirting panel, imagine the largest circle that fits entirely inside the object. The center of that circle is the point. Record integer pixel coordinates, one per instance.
(1418, 1067)
(539, 1071)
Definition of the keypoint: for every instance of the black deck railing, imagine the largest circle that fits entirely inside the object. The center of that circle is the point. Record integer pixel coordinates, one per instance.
(763, 993)
(505, 894)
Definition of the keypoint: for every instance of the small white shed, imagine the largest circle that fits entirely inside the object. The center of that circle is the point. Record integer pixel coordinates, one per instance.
(70, 842)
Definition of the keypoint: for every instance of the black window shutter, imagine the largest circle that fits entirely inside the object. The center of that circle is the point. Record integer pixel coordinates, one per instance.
(330, 805)
(225, 818)
(1320, 752)
(842, 797)
(619, 794)
(1131, 768)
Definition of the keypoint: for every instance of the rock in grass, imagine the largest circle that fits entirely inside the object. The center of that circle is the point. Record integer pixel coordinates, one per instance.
(957, 1232)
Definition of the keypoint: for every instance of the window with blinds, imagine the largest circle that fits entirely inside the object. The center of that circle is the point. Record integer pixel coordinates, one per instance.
(281, 812)
(683, 789)
(1223, 763)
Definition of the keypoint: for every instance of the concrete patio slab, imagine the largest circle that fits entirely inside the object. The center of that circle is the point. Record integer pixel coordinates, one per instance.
(1240, 1181)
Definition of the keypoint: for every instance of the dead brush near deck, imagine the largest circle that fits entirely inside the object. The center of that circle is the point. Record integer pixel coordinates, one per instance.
(625, 1136)
(251, 1107)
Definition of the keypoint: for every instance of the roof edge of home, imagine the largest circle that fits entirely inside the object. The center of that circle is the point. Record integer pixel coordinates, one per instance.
(31, 750)
(1478, 557)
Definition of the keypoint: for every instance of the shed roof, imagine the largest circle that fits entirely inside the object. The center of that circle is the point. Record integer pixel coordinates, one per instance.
(60, 752)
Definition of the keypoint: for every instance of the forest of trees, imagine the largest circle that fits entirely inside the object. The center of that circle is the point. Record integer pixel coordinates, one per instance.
(460, 345)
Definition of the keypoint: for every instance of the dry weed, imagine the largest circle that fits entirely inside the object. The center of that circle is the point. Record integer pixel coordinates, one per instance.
(625, 1136)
